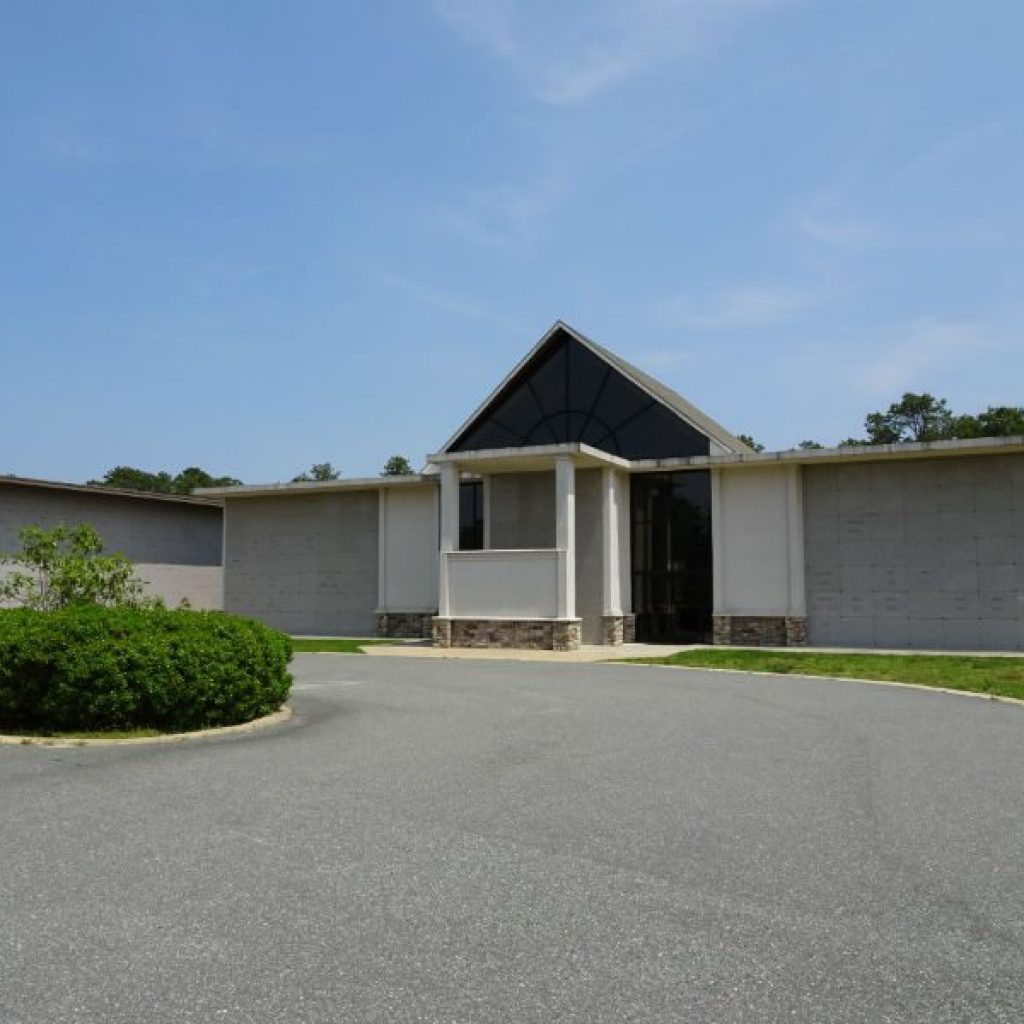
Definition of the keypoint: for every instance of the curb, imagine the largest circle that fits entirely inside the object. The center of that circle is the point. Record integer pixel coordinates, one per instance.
(833, 679)
(266, 721)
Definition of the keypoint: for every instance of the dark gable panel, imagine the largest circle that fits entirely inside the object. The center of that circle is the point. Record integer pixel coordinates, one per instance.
(657, 434)
(566, 393)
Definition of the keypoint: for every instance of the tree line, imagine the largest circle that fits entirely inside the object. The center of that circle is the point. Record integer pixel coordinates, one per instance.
(923, 417)
(129, 478)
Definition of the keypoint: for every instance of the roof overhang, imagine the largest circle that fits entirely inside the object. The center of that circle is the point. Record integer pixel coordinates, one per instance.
(109, 492)
(533, 458)
(847, 453)
(372, 483)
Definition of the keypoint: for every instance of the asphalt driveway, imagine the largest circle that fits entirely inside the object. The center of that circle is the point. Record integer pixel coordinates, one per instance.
(446, 841)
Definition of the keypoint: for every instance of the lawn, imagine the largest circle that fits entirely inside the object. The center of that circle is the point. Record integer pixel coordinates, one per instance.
(1003, 677)
(334, 644)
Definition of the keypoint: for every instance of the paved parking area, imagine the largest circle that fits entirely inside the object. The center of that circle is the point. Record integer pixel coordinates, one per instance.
(484, 841)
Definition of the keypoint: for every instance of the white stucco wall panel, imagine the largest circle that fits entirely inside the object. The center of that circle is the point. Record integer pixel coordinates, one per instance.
(409, 549)
(503, 584)
(758, 558)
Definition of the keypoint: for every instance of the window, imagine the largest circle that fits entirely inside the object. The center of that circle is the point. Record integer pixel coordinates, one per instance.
(471, 515)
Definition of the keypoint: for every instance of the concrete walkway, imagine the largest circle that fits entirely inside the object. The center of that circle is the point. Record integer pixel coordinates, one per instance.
(597, 652)
(587, 653)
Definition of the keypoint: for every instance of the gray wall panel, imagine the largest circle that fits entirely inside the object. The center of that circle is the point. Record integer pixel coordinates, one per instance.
(144, 530)
(304, 564)
(917, 554)
(522, 507)
(589, 556)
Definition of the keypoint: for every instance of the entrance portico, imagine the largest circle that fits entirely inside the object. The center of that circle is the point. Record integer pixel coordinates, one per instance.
(520, 594)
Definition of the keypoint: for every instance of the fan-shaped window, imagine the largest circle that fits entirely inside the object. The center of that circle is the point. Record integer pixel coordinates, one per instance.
(567, 393)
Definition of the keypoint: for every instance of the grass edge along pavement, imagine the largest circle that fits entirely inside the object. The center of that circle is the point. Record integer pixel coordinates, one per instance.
(991, 675)
(336, 644)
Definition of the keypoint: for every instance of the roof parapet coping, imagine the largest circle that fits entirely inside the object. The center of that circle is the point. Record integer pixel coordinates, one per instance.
(368, 483)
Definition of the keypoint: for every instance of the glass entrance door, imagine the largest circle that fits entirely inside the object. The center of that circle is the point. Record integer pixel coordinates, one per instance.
(671, 555)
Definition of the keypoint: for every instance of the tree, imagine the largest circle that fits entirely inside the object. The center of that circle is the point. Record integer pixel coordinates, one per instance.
(397, 465)
(809, 446)
(318, 471)
(131, 479)
(192, 477)
(995, 421)
(65, 567)
(913, 418)
(750, 442)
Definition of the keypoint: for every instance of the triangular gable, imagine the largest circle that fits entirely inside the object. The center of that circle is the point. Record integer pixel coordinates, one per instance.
(568, 389)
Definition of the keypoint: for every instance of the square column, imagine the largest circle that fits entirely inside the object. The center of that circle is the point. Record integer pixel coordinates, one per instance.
(565, 535)
(617, 624)
(449, 499)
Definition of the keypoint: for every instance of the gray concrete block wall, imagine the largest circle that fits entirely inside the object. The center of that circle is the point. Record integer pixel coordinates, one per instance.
(916, 553)
(304, 564)
(589, 555)
(142, 529)
(522, 510)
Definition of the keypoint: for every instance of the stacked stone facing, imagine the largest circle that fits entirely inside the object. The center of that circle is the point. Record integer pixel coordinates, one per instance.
(528, 634)
(759, 630)
(618, 629)
(405, 625)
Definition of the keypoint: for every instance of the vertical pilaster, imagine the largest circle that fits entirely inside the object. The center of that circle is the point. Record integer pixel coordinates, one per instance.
(611, 590)
(449, 530)
(565, 535)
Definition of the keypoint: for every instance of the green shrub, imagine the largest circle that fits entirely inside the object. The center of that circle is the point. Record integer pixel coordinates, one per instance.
(86, 669)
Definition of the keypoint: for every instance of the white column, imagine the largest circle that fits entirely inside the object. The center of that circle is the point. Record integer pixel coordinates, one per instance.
(717, 545)
(565, 535)
(611, 591)
(795, 529)
(449, 530)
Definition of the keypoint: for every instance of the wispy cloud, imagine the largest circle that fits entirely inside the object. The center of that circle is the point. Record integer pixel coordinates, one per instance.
(567, 53)
(507, 217)
(430, 295)
(743, 307)
(916, 350)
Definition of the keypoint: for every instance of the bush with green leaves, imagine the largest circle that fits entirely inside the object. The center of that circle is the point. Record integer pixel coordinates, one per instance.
(65, 566)
(95, 669)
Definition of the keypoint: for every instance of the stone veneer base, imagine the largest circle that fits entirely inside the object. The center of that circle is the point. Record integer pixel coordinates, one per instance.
(760, 630)
(618, 629)
(528, 634)
(405, 625)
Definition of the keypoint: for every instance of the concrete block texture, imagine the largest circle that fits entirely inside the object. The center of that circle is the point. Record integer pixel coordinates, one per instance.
(306, 563)
(522, 510)
(924, 553)
(144, 530)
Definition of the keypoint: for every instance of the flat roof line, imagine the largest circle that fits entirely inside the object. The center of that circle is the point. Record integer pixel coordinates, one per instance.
(117, 492)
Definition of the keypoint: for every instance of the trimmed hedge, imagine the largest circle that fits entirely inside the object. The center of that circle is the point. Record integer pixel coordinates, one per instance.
(93, 669)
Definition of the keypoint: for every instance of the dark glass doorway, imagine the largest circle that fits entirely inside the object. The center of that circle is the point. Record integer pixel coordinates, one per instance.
(671, 554)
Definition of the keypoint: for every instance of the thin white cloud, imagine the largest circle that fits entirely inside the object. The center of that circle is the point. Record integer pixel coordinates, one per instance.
(570, 52)
(917, 350)
(507, 217)
(437, 298)
(750, 306)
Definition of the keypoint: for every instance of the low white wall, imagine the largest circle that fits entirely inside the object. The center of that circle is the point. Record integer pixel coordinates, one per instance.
(757, 530)
(408, 549)
(503, 584)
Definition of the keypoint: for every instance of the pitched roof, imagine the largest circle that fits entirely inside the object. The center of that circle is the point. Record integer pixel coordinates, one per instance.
(660, 392)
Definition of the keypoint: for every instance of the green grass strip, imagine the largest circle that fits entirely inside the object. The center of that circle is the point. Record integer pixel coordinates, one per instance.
(1002, 677)
(334, 644)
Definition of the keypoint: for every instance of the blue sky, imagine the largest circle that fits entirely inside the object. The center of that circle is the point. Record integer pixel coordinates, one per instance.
(252, 236)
